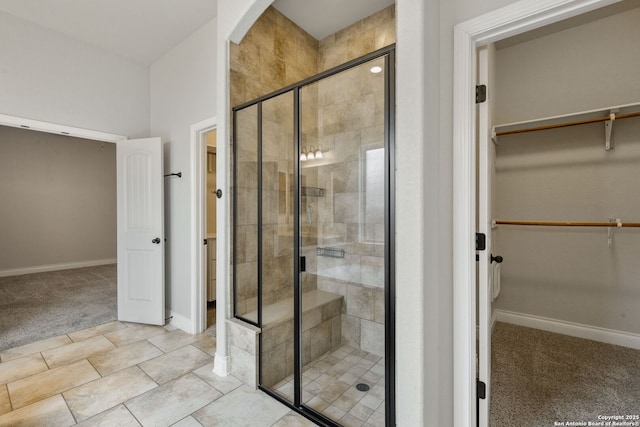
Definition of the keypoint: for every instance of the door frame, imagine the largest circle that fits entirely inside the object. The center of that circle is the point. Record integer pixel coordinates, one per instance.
(499, 24)
(198, 227)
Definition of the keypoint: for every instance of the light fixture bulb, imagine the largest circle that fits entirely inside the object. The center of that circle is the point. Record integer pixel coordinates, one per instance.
(376, 69)
(311, 154)
(318, 153)
(303, 155)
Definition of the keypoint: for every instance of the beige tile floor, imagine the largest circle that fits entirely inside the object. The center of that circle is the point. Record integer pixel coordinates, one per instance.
(329, 386)
(126, 374)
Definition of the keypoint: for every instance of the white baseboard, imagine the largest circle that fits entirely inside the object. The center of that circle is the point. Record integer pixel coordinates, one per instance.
(608, 336)
(221, 365)
(55, 267)
(180, 321)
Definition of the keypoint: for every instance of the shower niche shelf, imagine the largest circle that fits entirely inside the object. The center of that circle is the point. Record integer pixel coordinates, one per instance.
(312, 192)
(330, 252)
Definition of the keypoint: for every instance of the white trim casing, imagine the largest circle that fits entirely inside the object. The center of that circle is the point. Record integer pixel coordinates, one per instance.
(221, 359)
(56, 267)
(20, 122)
(508, 21)
(198, 205)
(233, 30)
(594, 333)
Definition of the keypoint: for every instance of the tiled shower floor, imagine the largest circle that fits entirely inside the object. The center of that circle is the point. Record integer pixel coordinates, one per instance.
(329, 386)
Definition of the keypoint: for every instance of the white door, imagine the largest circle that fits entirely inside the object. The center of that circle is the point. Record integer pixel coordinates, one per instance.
(140, 231)
(486, 153)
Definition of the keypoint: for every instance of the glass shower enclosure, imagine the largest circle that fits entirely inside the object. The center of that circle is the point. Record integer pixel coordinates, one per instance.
(313, 207)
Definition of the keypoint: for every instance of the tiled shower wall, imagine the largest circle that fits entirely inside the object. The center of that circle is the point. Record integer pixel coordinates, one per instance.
(351, 121)
(351, 117)
(340, 116)
(274, 53)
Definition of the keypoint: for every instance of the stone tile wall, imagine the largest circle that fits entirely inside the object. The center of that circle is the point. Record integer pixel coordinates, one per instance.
(343, 116)
(365, 36)
(275, 53)
(243, 351)
(321, 332)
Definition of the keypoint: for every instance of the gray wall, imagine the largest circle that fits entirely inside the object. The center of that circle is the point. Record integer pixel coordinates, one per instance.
(58, 199)
(53, 78)
(565, 174)
(424, 206)
(590, 66)
(182, 92)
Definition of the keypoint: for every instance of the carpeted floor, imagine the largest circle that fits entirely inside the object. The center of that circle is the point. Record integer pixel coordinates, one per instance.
(539, 378)
(44, 305)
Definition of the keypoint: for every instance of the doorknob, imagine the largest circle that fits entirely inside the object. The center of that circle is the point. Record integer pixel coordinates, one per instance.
(218, 193)
(497, 259)
(156, 241)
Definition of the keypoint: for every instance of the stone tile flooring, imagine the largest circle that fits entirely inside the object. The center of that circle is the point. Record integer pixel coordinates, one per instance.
(126, 374)
(329, 386)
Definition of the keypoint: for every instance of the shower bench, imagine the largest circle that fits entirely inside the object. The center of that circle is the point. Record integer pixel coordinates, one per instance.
(321, 332)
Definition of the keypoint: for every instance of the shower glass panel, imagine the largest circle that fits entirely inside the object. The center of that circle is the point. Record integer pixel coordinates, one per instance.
(245, 226)
(277, 242)
(342, 234)
(312, 258)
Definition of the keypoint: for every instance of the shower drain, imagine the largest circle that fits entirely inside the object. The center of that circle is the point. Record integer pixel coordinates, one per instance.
(362, 387)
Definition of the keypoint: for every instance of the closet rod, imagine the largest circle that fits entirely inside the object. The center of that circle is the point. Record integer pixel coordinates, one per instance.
(567, 124)
(568, 223)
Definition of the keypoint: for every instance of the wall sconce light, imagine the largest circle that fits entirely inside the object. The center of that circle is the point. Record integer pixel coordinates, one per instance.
(311, 154)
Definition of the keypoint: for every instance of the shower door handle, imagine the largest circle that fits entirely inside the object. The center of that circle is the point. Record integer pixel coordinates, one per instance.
(303, 264)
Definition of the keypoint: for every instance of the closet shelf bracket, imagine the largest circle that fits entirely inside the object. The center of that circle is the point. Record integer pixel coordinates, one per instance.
(608, 129)
(615, 223)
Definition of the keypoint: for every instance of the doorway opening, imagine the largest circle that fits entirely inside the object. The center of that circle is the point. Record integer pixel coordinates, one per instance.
(471, 392)
(204, 229)
(59, 241)
(210, 213)
(555, 178)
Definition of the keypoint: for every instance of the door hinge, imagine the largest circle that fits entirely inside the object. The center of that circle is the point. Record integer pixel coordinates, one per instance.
(481, 242)
(205, 241)
(481, 389)
(481, 94)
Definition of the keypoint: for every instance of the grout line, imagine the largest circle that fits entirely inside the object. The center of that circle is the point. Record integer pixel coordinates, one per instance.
(68, 407)
(129, 410)
(45, 361)
(95, 368)
(163, 353)
(6, 387)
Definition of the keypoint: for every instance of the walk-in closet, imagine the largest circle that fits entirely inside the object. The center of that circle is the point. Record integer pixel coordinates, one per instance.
(565, 214)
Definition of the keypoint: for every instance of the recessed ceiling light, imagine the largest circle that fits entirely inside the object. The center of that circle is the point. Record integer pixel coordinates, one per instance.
(376, 69)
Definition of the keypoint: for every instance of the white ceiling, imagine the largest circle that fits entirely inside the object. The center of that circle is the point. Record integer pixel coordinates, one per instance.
(321, 18)
(141, 30)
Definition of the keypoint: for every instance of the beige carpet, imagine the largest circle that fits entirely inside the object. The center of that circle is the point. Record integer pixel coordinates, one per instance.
(43, 305)
(539, 378)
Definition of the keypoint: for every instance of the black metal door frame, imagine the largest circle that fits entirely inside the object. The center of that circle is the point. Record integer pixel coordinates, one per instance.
(389, 130)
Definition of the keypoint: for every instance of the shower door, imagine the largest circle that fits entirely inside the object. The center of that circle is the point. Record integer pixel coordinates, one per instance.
(342, 242)
(313, 258)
